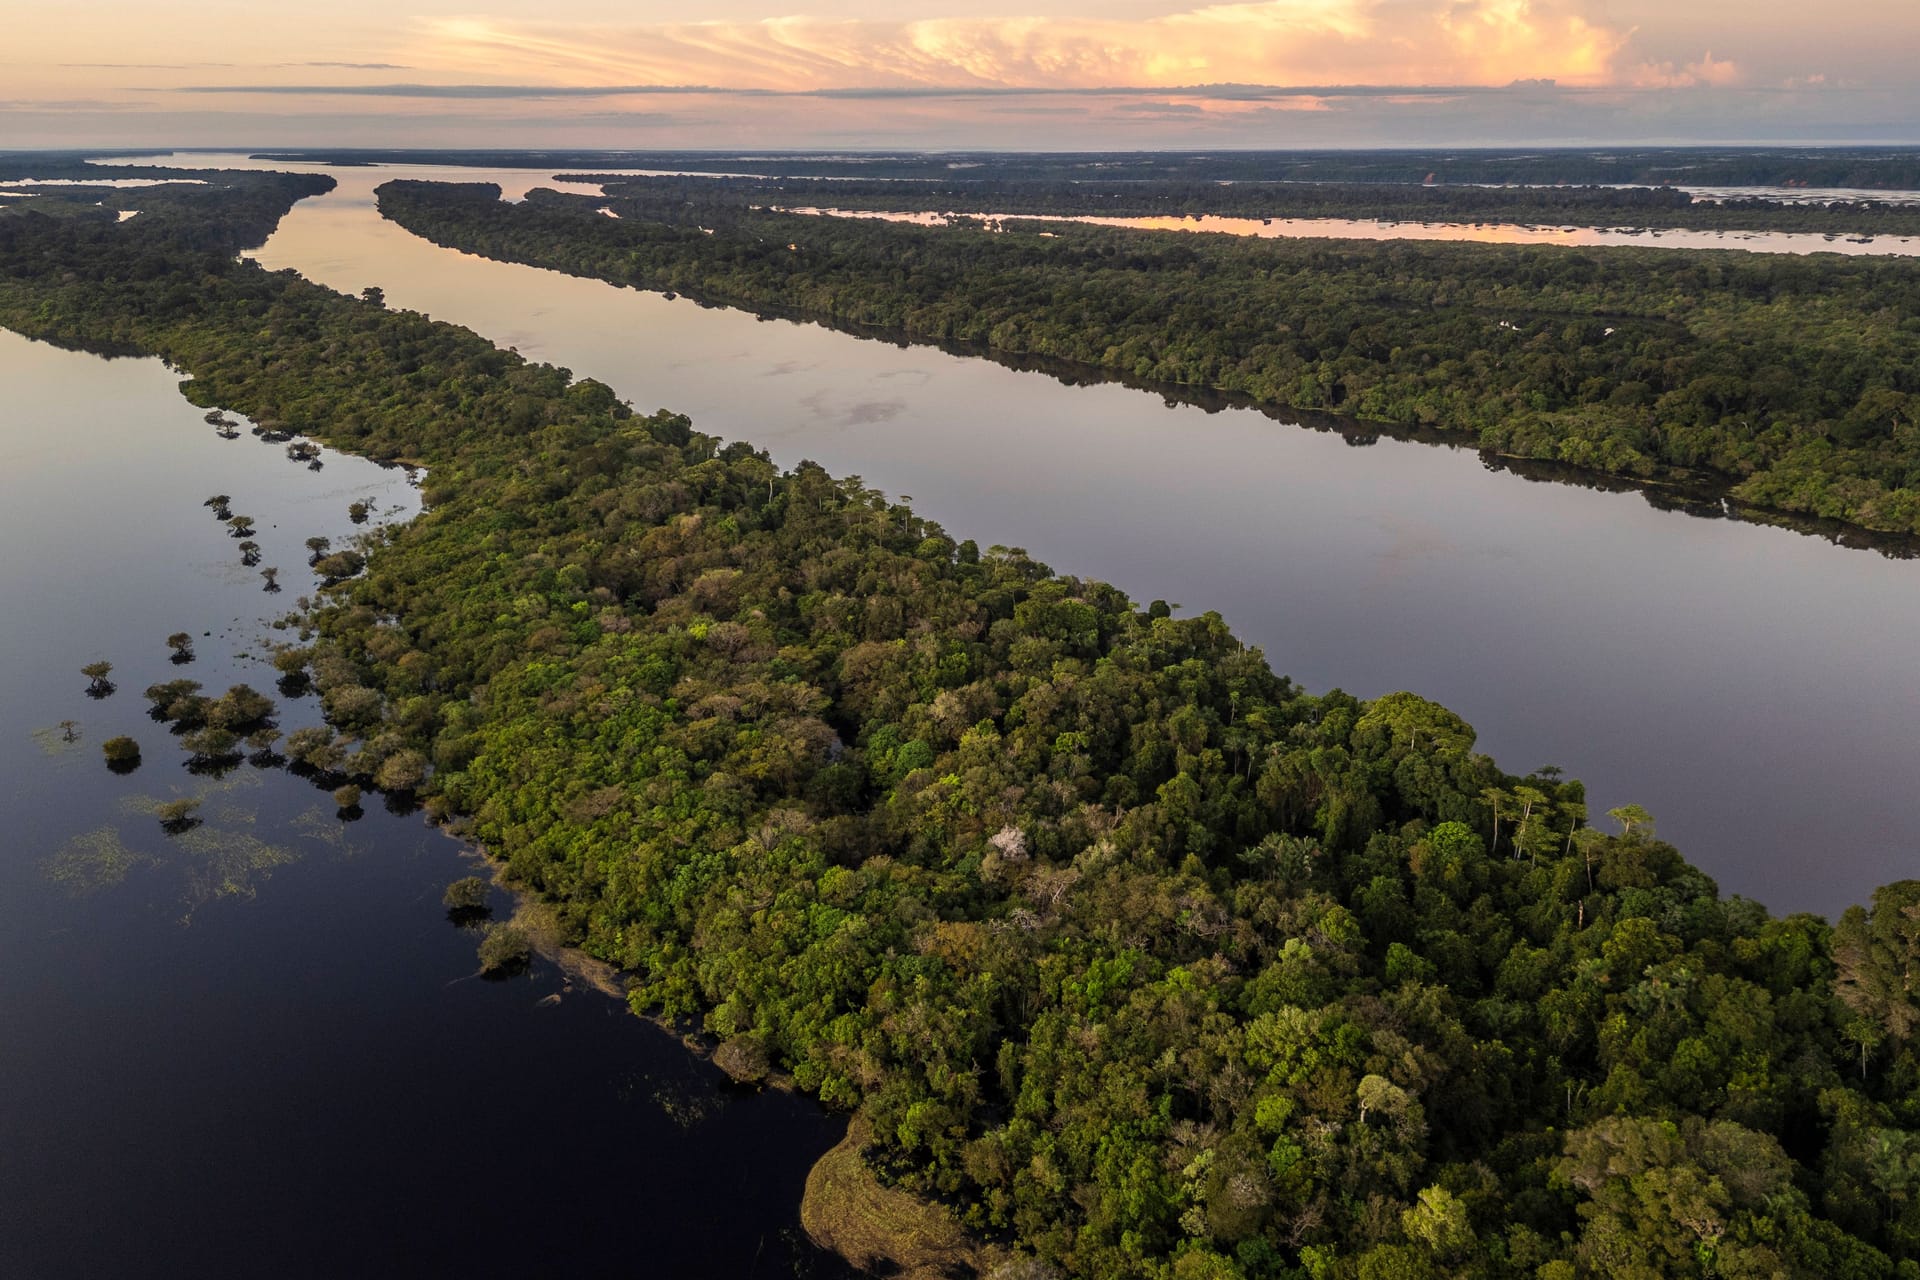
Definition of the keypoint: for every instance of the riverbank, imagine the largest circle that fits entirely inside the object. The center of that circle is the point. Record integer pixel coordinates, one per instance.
(845, 1208)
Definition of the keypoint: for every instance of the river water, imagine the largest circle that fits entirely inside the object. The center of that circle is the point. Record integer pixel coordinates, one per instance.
(1475, 232)
(260, 1051)
(257, 1048)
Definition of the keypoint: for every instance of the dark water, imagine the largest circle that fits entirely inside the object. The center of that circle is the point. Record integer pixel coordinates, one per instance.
(256, 1049)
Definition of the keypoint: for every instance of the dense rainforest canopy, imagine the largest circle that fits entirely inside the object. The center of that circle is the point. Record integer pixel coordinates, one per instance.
(1138, 956)
(1794, 379)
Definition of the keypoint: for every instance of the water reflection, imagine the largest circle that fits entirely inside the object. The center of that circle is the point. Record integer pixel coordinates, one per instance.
(1477, 233)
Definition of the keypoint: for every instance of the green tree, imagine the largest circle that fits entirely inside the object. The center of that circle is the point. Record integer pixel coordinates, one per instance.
(1635, 822)
(1877, 954)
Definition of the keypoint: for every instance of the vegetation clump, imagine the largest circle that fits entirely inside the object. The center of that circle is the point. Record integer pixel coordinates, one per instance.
(98, 686)
(122, 754)
(744, 1058)
(504, 950)
(177, 817)
(177, 701)
(466, 897)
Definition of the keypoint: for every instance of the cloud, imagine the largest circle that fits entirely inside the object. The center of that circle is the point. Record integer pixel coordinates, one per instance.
(68, 104)
(354, 66)
(863, 93)
(1483, 42)
(1709, 71)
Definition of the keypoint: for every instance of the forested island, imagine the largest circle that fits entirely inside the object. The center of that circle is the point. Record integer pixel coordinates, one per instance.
(1136, 957)
(1635, 208)
(1790, 379)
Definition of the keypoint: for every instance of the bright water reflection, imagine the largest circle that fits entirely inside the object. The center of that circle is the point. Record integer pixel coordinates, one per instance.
(1477, 233)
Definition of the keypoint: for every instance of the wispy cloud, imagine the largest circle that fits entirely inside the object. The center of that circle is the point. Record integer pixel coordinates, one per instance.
(144, 66)
(1381, 41)
(1709, 71)
(855, 93)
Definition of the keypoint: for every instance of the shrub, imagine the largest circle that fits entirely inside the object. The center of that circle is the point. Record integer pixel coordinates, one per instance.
(744, 1058)
(504, 949)
(177, 816)
(466, 896)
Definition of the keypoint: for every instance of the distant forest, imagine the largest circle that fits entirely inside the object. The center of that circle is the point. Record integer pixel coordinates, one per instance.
(1885, 168)
(1645, 208)
(1794, 380)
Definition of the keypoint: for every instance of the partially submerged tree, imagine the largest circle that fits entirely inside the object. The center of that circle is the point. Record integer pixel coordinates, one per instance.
(182, 645)
(466, 897)
(262, 742)
(122, 753)
(98, 686)
(178, 816)
(504, 950)
(241, 708)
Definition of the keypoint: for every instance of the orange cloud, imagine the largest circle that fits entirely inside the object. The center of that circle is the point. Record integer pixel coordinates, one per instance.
(1717, 73)
(1265, 42)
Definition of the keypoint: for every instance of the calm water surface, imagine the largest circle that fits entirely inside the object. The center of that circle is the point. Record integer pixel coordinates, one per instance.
(257, 1049)
(1477, 232)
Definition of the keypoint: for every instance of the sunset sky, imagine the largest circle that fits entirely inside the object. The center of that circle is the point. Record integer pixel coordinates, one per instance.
(957, 73)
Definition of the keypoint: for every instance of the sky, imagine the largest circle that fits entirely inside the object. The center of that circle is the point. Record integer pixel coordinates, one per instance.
(1082, 74)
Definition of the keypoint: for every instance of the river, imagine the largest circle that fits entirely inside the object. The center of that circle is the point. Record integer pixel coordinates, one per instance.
(1567, 237)
(259, 1051)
